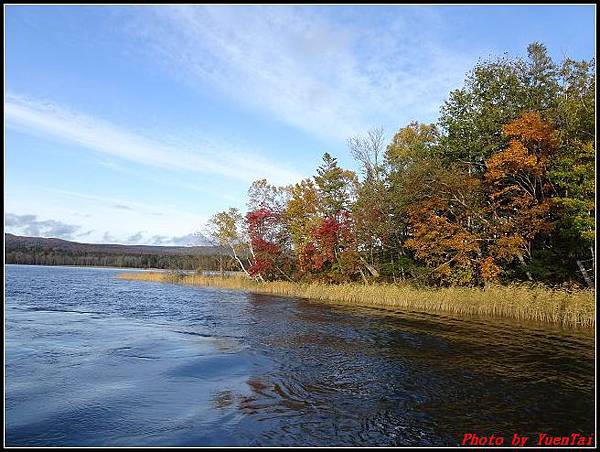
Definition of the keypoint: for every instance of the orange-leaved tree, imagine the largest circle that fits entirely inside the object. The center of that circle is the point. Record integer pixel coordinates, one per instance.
(519, 192)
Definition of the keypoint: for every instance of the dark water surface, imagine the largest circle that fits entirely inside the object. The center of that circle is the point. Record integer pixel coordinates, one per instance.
(93, 360)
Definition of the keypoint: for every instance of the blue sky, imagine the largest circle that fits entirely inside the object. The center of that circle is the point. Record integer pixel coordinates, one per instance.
(136, 124)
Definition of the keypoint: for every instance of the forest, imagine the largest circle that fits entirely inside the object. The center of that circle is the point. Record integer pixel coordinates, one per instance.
(500, 189)
(46, 251)
(62, 257)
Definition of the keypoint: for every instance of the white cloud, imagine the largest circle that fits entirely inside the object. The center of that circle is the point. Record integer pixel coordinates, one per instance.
(30, 225)
(102, 136)
(96, 214)
(317, 69)
(136, 238)
(184, 240)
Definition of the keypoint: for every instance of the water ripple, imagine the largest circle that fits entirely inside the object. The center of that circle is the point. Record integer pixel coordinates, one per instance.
(95, 361)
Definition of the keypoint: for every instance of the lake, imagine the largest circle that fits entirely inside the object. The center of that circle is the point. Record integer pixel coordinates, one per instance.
(91, 360)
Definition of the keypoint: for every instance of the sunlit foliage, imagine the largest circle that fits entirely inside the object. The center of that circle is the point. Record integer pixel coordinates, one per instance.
(500, 189)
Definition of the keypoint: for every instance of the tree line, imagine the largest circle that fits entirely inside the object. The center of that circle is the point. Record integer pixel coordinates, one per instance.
(500, 189)
(34, 256)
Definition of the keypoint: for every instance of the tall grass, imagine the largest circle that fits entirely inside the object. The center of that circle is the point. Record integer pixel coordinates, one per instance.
(570, 308)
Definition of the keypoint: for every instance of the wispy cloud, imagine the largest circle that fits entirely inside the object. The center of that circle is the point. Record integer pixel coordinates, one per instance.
(183, 240)
(30, 225)
(102, 136)
(318, 69)
(136, 238)
(159, 239)
(108, 238)
(166, 180)
(120, 204)
(122, 207)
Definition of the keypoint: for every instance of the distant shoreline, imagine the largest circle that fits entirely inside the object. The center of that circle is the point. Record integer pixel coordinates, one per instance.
(57, 252)
(106, 267)
(570, 309)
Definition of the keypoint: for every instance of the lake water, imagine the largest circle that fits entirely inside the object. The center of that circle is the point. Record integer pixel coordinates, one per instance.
(92, 360)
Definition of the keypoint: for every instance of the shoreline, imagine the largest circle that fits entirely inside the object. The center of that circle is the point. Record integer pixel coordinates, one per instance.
(520, 302)
(99, 267)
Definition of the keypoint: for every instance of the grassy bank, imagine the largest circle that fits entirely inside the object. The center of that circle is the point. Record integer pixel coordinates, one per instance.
(518, 302)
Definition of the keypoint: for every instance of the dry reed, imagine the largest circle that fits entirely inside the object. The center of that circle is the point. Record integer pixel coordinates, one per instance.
(570, 308)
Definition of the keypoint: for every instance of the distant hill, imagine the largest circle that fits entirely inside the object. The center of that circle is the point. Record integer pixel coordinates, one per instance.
(19, 241)
(52, 251)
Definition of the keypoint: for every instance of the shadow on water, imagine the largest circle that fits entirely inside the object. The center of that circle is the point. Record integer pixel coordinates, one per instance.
(92, 360)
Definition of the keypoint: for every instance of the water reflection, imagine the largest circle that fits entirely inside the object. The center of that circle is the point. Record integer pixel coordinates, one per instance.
(389, 378)
(222, 399)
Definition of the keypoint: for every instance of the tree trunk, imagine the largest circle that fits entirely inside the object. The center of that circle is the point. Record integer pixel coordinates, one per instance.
(239, 261)
(522, 259)
(284, 274)
(363, 276)
(371, 269)
(584, 272)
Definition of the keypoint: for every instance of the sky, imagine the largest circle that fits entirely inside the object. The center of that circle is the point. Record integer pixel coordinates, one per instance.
(135, 124)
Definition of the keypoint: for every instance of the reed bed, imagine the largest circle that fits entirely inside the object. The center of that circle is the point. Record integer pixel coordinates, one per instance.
(570, 308)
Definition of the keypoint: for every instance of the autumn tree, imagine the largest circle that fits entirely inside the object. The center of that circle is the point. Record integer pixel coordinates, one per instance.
(495, 93)
(498, 92)
(335, 250)
(269, 245)
(441, 205)
(268, 232)
(412, 144)
(303, 219)
(228, 229)
(410, 148)
(520, 193)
